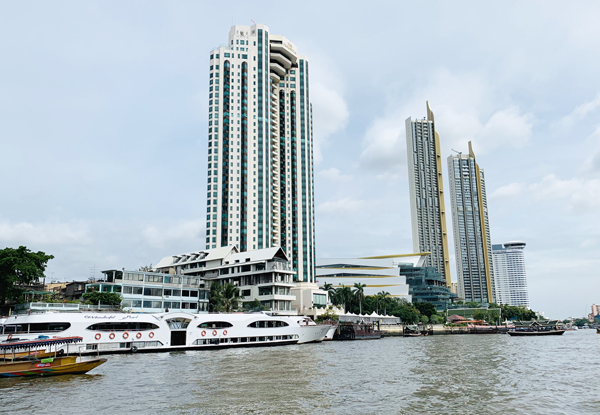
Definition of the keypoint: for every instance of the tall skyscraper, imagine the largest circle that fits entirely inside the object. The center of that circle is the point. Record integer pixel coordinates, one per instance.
(470, 222)
(260, 147)
(509, 273)
(427, 208)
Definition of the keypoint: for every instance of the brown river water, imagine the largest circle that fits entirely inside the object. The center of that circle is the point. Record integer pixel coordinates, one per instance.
(456, 374)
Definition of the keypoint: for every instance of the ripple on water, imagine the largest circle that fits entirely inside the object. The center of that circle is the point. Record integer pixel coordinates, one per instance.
(437, 374)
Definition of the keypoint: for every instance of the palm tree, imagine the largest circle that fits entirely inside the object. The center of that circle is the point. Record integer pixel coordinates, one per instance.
(344, 295)
(231, 295)
(381, 298)
(215, 299)
(330, 291)
(359, 294)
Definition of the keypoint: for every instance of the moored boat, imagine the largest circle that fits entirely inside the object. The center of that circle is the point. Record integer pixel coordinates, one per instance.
(537, 328)
(356, 331)
(52, 366)
(123, 332)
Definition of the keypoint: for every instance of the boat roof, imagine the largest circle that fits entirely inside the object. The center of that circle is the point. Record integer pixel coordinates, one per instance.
(40, 342)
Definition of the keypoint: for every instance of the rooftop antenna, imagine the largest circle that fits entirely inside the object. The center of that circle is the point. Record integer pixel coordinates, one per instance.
(457, 152)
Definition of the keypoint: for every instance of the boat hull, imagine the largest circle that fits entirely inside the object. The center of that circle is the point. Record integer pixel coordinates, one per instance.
(536, 333)
(56, 368)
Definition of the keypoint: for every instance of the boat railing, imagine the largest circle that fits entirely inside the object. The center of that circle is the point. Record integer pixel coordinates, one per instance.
(23, 308)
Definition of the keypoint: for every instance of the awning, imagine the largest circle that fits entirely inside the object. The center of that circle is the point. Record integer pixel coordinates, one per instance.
(39, 342)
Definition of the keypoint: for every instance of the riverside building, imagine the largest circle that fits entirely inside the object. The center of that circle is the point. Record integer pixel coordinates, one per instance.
(470, 222)
(427, 207)
(509, 273)
(262, 274)
(260, 148)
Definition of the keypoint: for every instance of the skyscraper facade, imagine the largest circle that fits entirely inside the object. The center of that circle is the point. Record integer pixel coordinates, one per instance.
(470, 223)
(260, 147)
(427, 208)
(509, 273)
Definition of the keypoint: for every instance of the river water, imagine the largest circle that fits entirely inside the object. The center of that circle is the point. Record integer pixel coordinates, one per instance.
(458, 374)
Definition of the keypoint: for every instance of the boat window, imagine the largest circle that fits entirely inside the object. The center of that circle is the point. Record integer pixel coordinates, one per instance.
(178, 323)
(268, 324)
(215, 325)
(114, 326)
(34, 328)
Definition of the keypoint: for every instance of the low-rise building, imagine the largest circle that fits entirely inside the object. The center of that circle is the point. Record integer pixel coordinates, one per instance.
(426, 285)
(378, 273)
(265, 275)
(153, 292)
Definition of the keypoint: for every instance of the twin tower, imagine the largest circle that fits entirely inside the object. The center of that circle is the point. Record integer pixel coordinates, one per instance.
(472, 244)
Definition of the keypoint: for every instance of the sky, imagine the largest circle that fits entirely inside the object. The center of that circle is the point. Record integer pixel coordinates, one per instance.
(103, 126)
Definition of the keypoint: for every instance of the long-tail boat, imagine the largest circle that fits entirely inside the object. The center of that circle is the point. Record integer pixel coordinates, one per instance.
(50, 366)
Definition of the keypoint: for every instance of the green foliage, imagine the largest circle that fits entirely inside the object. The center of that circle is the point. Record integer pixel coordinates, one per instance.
(517, 313)
(426, 309)
(436, 319)
(329, 314)
(473, 304)
(493, 317)
(96, 297)
(480, 315)
(580, 322)
(566, 321)
(224, 297)
(20, 267)
(359, 294)
(424, 319)
(254, 306)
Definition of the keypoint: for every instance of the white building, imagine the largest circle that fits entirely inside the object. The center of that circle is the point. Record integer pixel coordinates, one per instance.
(427, 206)
(263, 274)
(153, 292)
(378, 273)
(509, 273)
(260, 148)
(472, 245)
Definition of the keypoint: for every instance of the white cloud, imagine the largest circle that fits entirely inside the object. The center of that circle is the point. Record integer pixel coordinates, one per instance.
(464, 111)
(159, 235)
(26, 233)
(330, 110)
(592, 163)
(505, 127)
(345, 205)
(581, 111)
(588, 243)
(334, 175)
(510, 190)
(583, 195)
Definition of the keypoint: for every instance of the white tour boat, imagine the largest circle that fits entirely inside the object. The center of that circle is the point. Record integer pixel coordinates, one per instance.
(123, 332)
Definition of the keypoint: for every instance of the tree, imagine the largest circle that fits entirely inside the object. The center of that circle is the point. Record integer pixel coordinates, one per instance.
(359, 294)
(426, 309)
(19, 267)
(97, 297)
(329, 314)
(480, 314)
(424, 319)
(254, 306)
(493, 316)
(435, 319)
(330, 290)
(344, 297)
(231, 297)
(382, 296)
(473, 304)
(215, 299)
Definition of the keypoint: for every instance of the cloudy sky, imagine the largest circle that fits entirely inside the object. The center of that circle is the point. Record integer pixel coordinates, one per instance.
(103, 121)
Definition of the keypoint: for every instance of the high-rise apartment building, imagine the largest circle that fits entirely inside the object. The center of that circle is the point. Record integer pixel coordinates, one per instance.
(510, 279)
(470, 223)
(260, 147)
(427, 208)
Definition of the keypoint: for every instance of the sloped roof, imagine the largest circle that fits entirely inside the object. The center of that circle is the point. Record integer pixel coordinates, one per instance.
(196, 256)
(258, 255)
